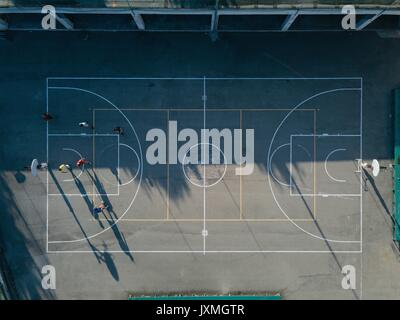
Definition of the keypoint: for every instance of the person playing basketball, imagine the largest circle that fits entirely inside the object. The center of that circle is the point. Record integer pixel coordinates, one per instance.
(81, 162)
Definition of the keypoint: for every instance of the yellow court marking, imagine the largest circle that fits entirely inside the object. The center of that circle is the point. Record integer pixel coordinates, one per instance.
(241, 182)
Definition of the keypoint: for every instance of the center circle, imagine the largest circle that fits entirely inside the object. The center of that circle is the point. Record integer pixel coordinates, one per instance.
(203, 169)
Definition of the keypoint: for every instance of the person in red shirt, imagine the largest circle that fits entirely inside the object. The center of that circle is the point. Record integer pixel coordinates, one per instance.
(81, 162)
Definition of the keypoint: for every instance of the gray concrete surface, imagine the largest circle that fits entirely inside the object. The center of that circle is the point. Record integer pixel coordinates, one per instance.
(101, 273)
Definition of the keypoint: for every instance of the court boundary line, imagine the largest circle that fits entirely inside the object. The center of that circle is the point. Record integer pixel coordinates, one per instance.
(202, 78)
(204, 232)
(226, 78)
(201, 110)
(208, 220)
(47, 171)
(208, 251)
(361, 188)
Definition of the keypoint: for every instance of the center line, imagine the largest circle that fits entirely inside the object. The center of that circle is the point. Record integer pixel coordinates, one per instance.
(204, 167)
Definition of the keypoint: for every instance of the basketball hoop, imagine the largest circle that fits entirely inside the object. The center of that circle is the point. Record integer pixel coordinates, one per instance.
(375, 167)
(34, 166)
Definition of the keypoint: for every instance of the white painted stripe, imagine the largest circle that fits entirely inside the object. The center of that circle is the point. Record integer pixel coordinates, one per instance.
(209, 251)
(202, 78)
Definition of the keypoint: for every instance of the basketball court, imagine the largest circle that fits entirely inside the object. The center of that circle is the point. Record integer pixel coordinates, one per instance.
(304, 194)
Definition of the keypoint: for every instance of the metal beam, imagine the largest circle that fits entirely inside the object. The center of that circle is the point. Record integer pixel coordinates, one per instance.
(3, 24)
(289, 21)
(367, 20)
(138, 20)
(61, 18)
(259, 11)
(214, 21)
(176, 11)
(73, 10)
(391, 13)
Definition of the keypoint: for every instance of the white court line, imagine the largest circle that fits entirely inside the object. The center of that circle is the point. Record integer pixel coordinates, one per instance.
(269, 155)
(202, 78)
(324, 135)
(290, 170)
(139, 165)
(118, 155)
(327, 135)
(291, 162)
(141, 156)
(93, 194)
(272, 173)
(82, 194)
(361, 190)
(83, 135)
(94, 158)
(119, 164)
(204, 232)
(80, 157)
(47, 173)
(211, 251)
(326, 164)
(208, 251)
(325, 195)
(290, 165)
(219, 109)
(201, 144)
(201, 220)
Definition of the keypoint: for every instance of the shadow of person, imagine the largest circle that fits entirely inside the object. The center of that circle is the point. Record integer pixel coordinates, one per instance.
(111, 216)
(371, 180)
(114, 171)
(107, 258)
(101, 191)
(71, 210)
(83, 192)
(121, 240)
